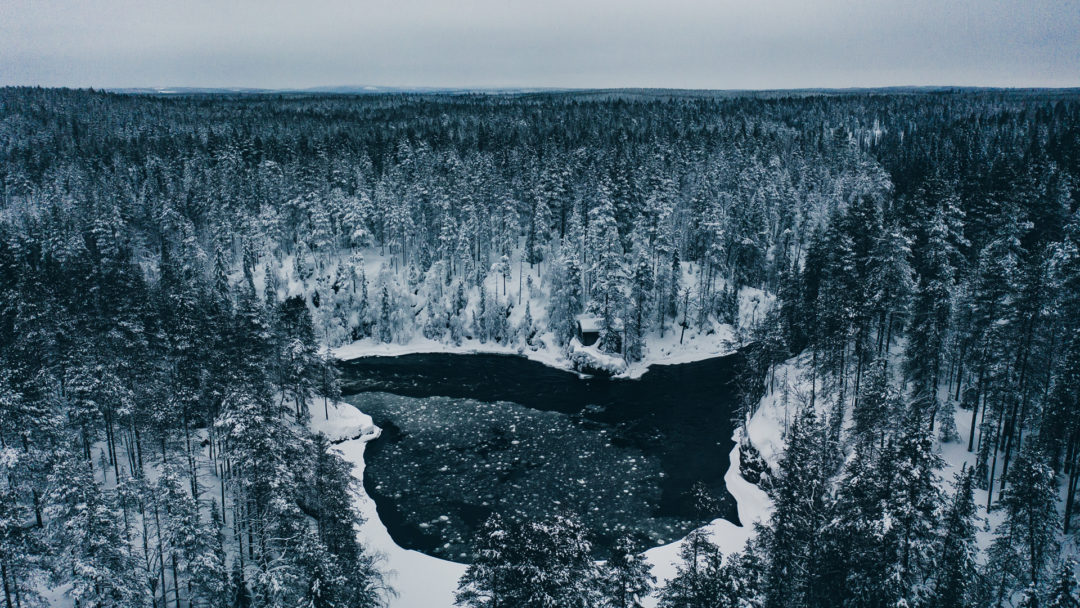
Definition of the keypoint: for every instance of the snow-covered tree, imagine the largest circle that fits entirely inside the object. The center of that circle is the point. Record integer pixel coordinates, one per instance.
(1027, 538)
(956, 572)
(697, 582)
(626, 577)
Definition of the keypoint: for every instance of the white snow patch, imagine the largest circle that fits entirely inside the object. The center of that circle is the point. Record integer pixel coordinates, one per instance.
(420, 345)
(421, 581)
(592, 359)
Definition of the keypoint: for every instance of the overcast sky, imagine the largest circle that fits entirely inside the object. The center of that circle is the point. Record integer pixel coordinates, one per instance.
(720, 44)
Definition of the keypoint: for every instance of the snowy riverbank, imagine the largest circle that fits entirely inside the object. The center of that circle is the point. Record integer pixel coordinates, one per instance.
(723, 341)
(699, 341)
(423, 581)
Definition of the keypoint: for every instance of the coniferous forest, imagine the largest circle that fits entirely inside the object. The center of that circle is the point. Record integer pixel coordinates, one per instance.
(177, 270)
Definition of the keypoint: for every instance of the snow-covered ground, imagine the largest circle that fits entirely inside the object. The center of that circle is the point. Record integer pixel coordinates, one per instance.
(753, 505)
(667, 350)
(421, 345)
(790, 387)
(661, 351)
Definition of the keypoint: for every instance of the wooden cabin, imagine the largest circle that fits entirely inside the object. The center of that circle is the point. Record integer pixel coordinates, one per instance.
(588, 330)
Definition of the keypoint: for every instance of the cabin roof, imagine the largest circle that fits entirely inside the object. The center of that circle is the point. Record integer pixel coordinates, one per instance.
(588, 323)
(593, 324)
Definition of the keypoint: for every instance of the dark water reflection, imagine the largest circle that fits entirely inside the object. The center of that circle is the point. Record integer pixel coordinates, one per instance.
(670, 429)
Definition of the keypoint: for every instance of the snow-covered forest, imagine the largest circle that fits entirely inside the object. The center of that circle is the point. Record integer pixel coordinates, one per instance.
(178, 272)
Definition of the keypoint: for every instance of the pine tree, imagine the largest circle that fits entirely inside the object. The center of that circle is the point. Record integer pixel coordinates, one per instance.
(482, 318)
(565, 303)
(527, 329)
(1029, 598)
(20, 571)
(957, 553)
(853, 562)
(930, 315)
(344, 570)
(743, 578)
(792, 542)
(626, 578)
(86, 540)
(362, 307)
(911, 507)
(1027, 537)
(558, 569)
(539, 232)
(502, 269)
(639, 313)
(531, 564)
(697, 582)
(605, 272)
(385, 323)
(876, 408)
(1064, 593)
(490, 580)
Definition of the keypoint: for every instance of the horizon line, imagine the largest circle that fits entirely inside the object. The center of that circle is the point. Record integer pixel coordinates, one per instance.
(375, 89)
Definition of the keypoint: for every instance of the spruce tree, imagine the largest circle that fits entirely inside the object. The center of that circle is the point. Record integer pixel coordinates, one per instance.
(956, 570)
(1064, 593)
(697, 582)
(1027, 538)
(626, 578)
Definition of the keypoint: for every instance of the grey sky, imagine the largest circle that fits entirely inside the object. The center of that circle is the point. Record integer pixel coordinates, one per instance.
(560, 43)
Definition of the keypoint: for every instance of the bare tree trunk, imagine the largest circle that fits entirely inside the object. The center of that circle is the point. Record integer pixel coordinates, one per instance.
(176, 579)
(161, 559)
(1073, 463)
(960, 372)
(975, 407)
(7, 588)
(993, 466)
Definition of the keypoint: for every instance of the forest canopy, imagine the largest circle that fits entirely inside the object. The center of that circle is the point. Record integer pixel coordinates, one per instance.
(171, 268)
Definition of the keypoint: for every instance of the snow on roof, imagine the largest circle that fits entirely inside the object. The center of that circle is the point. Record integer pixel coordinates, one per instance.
(588, 323)
(592, 323)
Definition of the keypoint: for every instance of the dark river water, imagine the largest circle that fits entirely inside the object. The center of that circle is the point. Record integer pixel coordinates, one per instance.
(465, 435)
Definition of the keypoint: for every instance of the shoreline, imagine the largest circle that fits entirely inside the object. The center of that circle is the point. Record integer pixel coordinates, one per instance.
(425, 581)
(367, 348)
